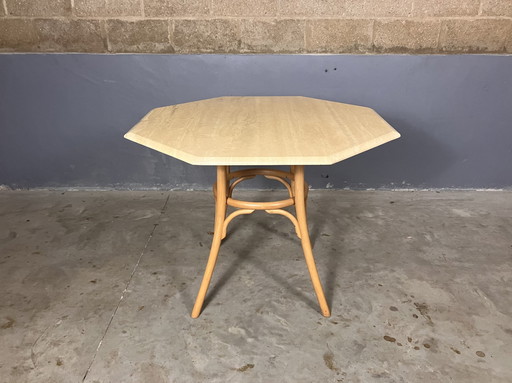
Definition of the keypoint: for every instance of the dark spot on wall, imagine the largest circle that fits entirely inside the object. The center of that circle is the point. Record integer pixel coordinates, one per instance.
(480, 354)
(409, 339)
(327, 70)
(426, 345)
(389, 338)
(141, 308)
(393, 308)
(12, 234)
(416, 348)
(59, 362)
(93, 281)
(455, 350)
(414, 316)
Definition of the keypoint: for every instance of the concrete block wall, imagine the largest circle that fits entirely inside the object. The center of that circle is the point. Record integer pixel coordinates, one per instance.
(264, 26)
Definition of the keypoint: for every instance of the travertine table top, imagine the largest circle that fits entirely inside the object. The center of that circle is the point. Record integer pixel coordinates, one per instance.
(262, 131)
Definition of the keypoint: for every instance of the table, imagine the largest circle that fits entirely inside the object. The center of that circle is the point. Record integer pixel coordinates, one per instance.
(244, 131)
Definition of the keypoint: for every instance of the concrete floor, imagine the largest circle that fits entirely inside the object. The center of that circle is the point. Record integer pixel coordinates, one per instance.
(98, 287)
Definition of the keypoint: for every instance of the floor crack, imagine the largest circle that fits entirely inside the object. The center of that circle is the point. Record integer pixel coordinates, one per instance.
(165, 205)
(124, 291)
(32, 353)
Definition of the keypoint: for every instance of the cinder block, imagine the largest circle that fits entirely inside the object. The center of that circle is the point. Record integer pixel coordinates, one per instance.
(206, 36)
(475, 36)
(38, 8)
(17, 35)
(177, 8)
(508, 44)
(338, 36)
(244, 8)
(90, 8)
(378, 8)
(272, 36)
(311, 8)
(406, 36)
(57, 35)
(141, 36)
(446, 8)
(497, 8)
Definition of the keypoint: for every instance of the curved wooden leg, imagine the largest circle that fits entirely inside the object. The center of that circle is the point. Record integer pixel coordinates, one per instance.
(300, 207)
(220, 215)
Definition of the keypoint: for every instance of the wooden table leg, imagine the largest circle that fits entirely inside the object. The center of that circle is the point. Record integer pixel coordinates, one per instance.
(300, 207)
(220, 215)
(222, 191)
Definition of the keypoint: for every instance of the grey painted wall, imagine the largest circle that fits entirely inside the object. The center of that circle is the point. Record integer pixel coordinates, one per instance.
(62, 116)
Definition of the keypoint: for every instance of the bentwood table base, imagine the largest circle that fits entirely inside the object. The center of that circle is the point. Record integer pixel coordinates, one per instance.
(297, 189)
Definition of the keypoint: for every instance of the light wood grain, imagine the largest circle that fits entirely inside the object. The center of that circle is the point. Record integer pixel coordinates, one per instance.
(300, 209)
(220, 216)
(262, 131)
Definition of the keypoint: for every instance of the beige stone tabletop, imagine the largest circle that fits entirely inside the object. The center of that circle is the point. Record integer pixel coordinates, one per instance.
(262, 131)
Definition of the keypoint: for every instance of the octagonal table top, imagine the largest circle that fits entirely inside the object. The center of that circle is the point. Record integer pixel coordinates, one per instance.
(262, 131)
